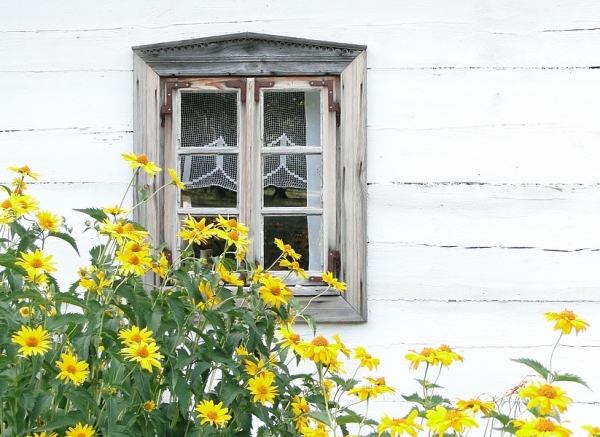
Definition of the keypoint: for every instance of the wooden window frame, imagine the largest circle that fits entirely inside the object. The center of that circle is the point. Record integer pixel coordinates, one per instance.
(258, 55)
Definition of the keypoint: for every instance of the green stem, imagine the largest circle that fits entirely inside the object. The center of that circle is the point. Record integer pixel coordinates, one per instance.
(550, 378)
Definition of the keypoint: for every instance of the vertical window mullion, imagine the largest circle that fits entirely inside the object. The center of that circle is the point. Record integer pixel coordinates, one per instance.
(251, 203)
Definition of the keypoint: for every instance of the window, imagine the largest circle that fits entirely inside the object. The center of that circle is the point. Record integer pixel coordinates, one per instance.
(270, 130)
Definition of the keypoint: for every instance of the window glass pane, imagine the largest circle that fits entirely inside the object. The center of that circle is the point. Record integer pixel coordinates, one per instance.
(291, 118)
(292, 180)
(209, 119)
(303, 233)
(210, 180)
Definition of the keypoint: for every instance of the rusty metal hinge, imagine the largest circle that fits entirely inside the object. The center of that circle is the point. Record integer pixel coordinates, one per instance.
(241, 84)
(334, 262)
(333, 266)
(333, 106)
(262, 84)
(167, 108)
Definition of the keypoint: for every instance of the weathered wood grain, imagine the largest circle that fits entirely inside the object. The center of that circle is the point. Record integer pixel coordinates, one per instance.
(420, 272)
(79, 100)
(97, 153)
(542, 217)
(494, 154)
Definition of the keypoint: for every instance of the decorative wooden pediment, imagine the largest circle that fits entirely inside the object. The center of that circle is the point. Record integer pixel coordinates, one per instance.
(248, 54)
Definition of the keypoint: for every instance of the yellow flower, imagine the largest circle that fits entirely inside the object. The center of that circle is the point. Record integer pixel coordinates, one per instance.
(319, 431)
(333, 282)
(6, 218)
(176, 181)
(566, 321)
(287, 249)
(294, 267)
(137, 263)
(319, 350)
(233, 237)
(197, 231)
(80, 431)
(114, 210)
(228, 277)
(380, 382)
(546, 396)
(542, 427)
(35, 263)
(397, 426)
(440, 419)
(327, 385)
(26, 203)
(427, 355)
(25, 311)
(25, 171)
(149, 406)
(96, 282)
(210, 300)
(274, 292)
(141, 161)
(257, 368)
(229, 224)
(300, 406)
(122, 231)
(162, 266)
(593, 431)
(262, 388)
(289, 338)
(19, 185)
(135, 335)
(342, 346)
(43, 434)
(447, 356)
(212, 414)
(475, 405)
(32, 341)
(71, 369)
(366, 360)
(144, 353)
(48, 221)
(377, 387)
(241, 350)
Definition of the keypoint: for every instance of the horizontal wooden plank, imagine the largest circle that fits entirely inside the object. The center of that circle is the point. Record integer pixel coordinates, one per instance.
(555, 100)
(491, 154)
(421, 273)
(76, 100)
(554, 217)
(423, 34)
(91, 155)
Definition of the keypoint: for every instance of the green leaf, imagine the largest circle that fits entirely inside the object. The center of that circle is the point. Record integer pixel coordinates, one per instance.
(8, 261)
(82, 399)
(349, 418)
(63, 320)
(178, 310)
(569, 377)
(426, 384)
(65, 237)
(535, 365)
(68, 298)
(230, 391)
(95, 213)
(64, 420)
(502, 418)
(320, 416)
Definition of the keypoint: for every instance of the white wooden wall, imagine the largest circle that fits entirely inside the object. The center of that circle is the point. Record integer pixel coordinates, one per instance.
(483, 157)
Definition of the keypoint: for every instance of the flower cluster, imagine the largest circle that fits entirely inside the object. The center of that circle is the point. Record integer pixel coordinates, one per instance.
(149, 342)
